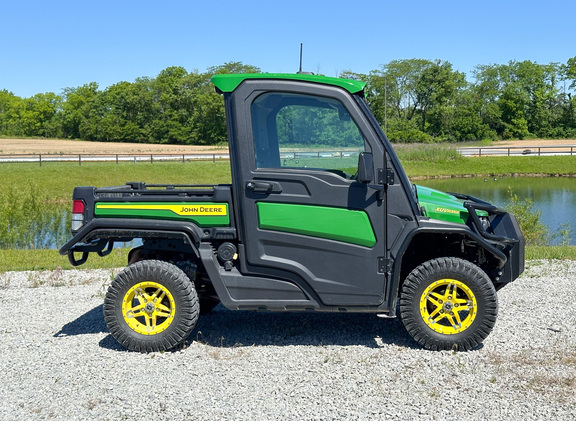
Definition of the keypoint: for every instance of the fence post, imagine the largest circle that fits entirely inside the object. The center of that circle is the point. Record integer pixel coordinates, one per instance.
(40, 159)
(79, 160)
(151, 159)
(116, 159)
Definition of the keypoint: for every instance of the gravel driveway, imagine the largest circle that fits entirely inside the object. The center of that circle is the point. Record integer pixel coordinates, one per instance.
(59, 361)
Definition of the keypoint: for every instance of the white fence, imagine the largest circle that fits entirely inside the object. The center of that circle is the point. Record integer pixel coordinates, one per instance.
(118, 158)
(518, 150)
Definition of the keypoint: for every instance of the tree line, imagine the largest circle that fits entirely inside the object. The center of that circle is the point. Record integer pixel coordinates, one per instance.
(414, 100)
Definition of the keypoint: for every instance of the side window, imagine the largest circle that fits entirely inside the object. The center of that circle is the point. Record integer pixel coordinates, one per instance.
(304, 131)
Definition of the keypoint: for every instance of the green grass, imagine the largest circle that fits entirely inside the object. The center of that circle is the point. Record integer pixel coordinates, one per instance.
(50, 260)
(551, 252)
(58, 179)
(493, 165)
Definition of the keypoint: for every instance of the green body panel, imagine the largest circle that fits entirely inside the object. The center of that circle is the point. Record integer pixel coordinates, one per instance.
(443, 206)
(349, 226)
(204, 214)
(228, 82)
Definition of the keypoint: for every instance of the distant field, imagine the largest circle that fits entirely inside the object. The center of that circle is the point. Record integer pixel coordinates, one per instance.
(60, 146)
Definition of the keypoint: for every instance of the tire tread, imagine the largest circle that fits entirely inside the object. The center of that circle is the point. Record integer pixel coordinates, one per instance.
(475, 278)
(181, 288)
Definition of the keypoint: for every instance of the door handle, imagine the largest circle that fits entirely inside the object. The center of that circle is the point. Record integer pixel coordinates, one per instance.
(263, 187)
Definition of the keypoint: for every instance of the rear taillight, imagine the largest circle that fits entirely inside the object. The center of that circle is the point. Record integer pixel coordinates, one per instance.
(78, 208)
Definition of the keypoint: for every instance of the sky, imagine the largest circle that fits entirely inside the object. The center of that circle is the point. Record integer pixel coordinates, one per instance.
(50, 45)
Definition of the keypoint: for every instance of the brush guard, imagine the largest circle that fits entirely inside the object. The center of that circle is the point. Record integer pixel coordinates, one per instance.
(506, 235)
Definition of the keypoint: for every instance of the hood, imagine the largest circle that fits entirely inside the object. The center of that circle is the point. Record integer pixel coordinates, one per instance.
(443, 206)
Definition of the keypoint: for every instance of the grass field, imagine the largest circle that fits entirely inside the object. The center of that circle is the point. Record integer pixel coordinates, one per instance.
(533, 166)
(58, 180)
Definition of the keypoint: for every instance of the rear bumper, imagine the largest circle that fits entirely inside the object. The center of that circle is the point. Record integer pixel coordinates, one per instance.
(98, 235)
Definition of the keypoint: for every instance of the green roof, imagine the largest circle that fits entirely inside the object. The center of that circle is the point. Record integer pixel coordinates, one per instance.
(228, 82)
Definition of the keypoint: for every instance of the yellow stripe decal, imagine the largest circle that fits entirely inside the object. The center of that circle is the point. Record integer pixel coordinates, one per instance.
(186, 209)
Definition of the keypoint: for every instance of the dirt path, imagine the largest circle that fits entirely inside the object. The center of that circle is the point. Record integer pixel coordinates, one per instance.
(537, 142)
(59, 146)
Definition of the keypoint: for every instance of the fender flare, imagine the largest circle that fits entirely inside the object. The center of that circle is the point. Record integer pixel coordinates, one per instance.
(99, 235)
(445, 228)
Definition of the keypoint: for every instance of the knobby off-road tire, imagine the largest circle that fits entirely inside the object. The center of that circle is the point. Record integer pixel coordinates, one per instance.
(448, 304)
(151, 306)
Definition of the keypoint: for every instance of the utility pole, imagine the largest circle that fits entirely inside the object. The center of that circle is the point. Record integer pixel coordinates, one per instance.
(300, 69)
(385, 105)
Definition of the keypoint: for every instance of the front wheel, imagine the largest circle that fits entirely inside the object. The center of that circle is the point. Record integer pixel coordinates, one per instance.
(151, 306)
(448, 303)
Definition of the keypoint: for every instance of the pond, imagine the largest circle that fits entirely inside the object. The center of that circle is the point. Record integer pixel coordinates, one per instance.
(554, 196)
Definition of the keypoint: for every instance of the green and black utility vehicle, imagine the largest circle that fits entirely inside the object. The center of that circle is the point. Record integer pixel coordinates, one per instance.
(319, 216)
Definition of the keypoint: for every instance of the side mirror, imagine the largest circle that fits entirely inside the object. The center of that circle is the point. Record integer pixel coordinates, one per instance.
(365, 165)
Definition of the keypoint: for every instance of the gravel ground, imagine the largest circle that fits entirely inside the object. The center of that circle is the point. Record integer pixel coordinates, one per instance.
(59, 361)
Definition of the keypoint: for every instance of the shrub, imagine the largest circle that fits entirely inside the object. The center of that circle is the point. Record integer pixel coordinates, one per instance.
(427, 153)
(536, 233)
(405, 131)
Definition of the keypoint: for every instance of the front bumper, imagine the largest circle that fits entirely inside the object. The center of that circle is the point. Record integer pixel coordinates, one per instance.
(503, 233)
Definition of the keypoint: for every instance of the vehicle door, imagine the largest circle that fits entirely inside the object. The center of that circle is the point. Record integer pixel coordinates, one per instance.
(303, 214)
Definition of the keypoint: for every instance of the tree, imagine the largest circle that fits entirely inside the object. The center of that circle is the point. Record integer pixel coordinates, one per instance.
(36, 116)
(415, 99)
(436, 86)
(76, 111)
(10, 105)
(570, 71)
(232, 67)
(523, 98)
(394, 86)
(410, 90)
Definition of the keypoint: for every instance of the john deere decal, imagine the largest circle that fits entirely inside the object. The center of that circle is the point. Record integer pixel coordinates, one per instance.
(203, 214)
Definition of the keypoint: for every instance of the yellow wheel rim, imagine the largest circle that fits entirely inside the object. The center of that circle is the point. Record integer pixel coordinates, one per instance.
(148, 308)
(448, 306)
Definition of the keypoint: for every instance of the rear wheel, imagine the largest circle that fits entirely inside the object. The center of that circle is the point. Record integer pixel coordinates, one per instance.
(151, 306)
(448, 303)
